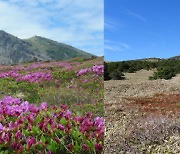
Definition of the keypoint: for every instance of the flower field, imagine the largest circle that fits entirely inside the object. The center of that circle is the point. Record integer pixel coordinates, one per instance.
(52, 107)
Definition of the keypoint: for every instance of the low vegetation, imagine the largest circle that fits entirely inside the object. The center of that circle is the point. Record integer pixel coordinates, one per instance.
(165, 69)
(52, 107)
(142, 116)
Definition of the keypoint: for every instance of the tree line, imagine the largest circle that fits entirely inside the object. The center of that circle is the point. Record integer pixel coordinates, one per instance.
(165, 69)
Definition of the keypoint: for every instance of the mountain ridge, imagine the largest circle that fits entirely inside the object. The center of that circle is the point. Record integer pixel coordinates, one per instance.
(14, 50)
(175, 57)
(152, 59)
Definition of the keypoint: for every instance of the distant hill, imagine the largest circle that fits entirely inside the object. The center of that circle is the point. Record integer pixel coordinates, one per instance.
(150, 59)
(175, 58)
(158, 59)
(14, 50)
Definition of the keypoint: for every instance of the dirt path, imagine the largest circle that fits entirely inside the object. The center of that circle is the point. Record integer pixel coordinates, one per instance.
(120, 112)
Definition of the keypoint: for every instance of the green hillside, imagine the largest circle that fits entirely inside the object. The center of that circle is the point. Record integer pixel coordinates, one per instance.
(14, 50)
(55, 50)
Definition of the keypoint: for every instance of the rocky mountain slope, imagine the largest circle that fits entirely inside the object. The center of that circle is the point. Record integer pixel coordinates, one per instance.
(14, 50)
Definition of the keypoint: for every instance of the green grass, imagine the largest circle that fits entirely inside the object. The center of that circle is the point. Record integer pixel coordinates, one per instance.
(81, 97)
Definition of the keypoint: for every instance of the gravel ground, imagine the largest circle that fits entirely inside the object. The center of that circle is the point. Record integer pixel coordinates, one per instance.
(118, 111)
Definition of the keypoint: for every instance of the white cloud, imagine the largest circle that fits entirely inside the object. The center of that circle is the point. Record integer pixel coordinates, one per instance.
(135, 15)
(111, 24)
(76, 22)
(115, 46)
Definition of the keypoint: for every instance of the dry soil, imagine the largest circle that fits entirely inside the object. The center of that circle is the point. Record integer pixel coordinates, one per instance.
(119, 95)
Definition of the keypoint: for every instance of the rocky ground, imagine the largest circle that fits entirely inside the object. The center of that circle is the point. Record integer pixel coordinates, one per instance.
(141, 115)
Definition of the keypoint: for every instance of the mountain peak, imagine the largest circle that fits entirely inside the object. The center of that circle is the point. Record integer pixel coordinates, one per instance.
(39, 38)
(2, 31)
(14, 50)
(4, 35)
(36, 36)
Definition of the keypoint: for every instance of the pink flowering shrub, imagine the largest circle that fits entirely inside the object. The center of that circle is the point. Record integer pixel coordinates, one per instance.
(29, 77)
(41, 71)
(25, 127)
(35, 77)
(97, 69)
(65, 65)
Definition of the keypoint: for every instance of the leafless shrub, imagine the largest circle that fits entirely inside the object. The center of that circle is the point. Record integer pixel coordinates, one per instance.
(153, 129)
(157, 134)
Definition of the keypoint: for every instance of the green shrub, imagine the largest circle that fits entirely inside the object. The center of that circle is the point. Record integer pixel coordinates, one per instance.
(29, 90)
(164, 73)
(64, 76)
(166, 69)
(106, 72)
(117, 75)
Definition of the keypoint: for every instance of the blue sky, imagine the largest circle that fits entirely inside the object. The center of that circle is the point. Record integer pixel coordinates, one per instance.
(141, 29)
(79, 23)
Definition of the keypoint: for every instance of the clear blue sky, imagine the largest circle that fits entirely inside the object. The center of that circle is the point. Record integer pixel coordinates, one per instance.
(141, 29)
